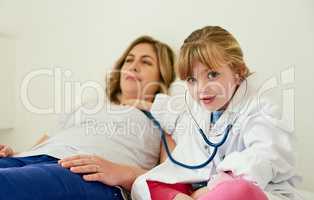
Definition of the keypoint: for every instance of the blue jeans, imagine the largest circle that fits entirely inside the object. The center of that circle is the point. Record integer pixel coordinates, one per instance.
(41, 177)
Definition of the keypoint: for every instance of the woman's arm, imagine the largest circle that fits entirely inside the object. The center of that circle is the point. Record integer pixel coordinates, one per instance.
(42, 139)
(96, 168)
(7, 151)
(134, 172)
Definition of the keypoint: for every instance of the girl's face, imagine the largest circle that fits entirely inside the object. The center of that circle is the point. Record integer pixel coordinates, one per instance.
(212, 89)
(140, 74)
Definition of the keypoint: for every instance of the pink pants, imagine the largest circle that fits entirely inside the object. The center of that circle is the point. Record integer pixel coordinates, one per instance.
(236, 189)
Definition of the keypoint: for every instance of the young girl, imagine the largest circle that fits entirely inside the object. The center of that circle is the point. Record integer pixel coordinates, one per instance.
(256, 162)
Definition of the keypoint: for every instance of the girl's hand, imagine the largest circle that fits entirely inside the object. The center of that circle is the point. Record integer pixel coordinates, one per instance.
(217, 179)
(5, 151)
(199, 192)
(95, 168)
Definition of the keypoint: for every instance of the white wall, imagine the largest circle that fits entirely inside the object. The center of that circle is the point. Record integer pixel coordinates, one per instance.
(7, 81)
(87, 36)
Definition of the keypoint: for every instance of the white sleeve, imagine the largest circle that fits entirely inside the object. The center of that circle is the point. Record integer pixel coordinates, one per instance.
(268, 154)
(166, 110)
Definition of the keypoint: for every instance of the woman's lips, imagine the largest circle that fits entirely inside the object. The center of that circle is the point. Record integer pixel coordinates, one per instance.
(207, 100)
(132, 78)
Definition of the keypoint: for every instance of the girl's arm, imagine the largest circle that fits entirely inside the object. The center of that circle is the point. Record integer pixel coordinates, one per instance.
(268, 151)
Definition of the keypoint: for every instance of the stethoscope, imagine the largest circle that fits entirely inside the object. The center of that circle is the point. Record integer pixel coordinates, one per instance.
(201, 132)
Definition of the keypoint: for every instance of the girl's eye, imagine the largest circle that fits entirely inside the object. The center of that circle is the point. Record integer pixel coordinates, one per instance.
(212, 75)
(190, 80)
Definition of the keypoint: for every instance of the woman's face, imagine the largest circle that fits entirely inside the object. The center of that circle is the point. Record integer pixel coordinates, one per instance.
(140, 74)
(212, 89)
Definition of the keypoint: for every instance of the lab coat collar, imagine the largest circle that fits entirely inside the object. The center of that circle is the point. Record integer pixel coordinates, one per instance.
(236, 106)
(238, 103)
(239, 98)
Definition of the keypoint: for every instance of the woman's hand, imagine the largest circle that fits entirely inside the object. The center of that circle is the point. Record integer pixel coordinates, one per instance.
(95, 168)
(5, 151)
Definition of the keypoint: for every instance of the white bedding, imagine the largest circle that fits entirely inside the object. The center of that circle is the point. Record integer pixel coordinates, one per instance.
(307, 195)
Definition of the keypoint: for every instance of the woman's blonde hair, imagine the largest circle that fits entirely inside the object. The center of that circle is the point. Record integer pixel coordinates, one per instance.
(213, 46)
(165, 58)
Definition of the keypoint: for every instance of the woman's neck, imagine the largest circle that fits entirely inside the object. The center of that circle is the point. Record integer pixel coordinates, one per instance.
(124, 99)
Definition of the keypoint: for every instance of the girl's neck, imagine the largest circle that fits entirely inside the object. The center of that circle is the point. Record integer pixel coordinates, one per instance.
(224, 107)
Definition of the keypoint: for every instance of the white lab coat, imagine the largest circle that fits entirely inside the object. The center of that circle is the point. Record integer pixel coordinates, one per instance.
(259, 146)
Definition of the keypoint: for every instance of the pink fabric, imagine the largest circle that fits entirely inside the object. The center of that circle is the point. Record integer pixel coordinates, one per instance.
(236, 189)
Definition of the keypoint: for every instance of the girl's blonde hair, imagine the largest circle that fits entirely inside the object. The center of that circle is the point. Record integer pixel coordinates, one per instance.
(165, 58)
(213, 46)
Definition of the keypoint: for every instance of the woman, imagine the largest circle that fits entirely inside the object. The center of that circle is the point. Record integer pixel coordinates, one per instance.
(92, 155)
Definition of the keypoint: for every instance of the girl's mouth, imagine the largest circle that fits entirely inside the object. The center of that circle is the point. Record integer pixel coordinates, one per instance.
(207, 100)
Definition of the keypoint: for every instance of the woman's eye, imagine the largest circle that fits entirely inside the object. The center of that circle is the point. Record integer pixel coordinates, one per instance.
(212, 75)
(190, 80)
(147, 62)
(128, 60)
